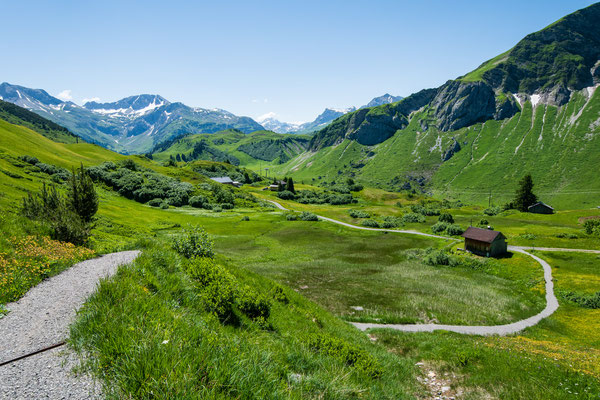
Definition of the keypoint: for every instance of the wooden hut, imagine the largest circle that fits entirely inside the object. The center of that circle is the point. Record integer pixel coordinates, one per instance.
(540, 208)
(485, 242)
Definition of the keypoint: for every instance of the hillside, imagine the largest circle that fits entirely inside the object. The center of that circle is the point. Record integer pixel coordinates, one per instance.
(524, 111)
(16, 115)
(131, 125)
(239, 148)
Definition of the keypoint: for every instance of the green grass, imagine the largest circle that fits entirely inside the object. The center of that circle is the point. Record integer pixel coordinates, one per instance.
(150, 337)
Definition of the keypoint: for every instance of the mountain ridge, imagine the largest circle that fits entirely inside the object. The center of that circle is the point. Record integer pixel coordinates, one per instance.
(134, 124)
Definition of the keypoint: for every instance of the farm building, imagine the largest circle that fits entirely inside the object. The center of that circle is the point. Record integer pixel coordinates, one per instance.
(225, 180)
(485, 242)
(540, 208)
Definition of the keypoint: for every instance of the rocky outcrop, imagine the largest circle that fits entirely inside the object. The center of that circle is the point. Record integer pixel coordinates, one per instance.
(459, 104)
(370, 126)
(451, 150)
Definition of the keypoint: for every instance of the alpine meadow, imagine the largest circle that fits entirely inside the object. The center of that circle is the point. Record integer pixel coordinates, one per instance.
(441, 244)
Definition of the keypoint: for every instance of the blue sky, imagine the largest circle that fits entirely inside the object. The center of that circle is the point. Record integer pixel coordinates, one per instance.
(292, 58)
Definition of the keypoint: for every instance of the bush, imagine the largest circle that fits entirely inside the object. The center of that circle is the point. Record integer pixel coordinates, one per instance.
(412, 218)
(193, 242)
(492, 211)
(253, 304)
(391, 222)
(592, 226)
(358, 214)
(454, 230)
(245, 218)
(370, 223)
(308, 216)
(591, 301)
(217, 286)
(439, 227)
(68, 217)
(436, 257)
(483, 222)
(279, 295)
(419, 209)
(155, 202)
(29, 159)
(164, 205)
(345, 352)
(227, 206)
(198, 201)
(286, 195)
(446, 217)
(217, 208)
(291, 217)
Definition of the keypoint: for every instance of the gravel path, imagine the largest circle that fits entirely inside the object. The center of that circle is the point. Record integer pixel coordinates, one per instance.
(551, 301)
(42, 318)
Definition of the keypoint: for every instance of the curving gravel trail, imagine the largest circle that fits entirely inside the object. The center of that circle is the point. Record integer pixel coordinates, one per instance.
(551, 301)
(42, 318)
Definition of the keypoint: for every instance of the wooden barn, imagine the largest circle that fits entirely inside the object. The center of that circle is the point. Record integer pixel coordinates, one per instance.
(485, 242)
(540, 208)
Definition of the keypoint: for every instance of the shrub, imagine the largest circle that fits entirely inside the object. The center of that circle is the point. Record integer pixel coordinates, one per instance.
(217, 208)
(193, 242)
(370, 223)
(492, 211)
(358, 214)
(439, 227)
(391, 222)
(29, 159)
(155, 202)
(564, 235)
(245, 218)
(82, 195)
(483, 222)
(308, 216)
(253, 304)
(286, 195)
(436, 257)
(455, 230)
(591, 301)
(57, 211)
(592, 226)
(198, 201)
(412, 218)
(164, 205)
(346, 353)
(446, 217)
(291, 217)
(226, 206)
(279, 295)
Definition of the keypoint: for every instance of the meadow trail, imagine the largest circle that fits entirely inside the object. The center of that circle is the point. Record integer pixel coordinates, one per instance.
(42, 318)
(502, 330)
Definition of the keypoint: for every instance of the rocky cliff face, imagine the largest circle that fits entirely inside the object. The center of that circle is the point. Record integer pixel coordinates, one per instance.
(458, 104)
(369, 126)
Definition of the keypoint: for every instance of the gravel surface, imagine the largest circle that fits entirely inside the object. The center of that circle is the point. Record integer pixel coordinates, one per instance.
(42, 318)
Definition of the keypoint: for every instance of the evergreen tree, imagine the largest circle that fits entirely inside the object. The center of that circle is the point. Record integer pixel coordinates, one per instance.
(83, 197)
(247, 177)
(524, 196)
(290, 185)
(178, 157)
(280, 187)
(183, 158)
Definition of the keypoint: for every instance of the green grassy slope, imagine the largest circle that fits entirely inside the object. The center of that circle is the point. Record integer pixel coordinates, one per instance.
(20, 116)
(250, 150)
(557, 145)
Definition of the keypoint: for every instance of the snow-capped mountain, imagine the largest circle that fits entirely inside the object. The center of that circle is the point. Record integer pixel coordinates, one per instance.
(381, 100)
(273, 124)
(131, 125)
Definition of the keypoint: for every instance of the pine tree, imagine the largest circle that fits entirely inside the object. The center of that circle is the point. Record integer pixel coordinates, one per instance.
(178, 157)
(290, 185)
(524, 196)
(83, 197)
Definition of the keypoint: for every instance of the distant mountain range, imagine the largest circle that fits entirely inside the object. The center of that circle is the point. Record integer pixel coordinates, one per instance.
(325, 118)
(131, 125)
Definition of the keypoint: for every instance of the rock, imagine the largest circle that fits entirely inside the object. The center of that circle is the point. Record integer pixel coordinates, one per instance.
(459, 104)
(450, 151)
(357, 308)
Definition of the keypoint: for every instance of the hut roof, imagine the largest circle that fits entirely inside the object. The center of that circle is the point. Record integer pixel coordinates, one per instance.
(481, 235)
